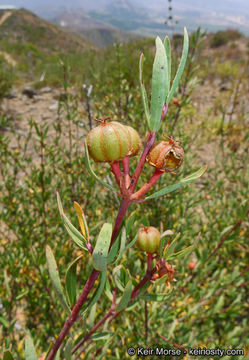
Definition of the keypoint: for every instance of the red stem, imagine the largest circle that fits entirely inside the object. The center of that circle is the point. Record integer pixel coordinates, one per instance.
(112, 314)
(148, 144)
(87, 336)
(122, 210)
(88, 286)
(94, 275)
(126, 171)
(147, 186)
(116, 171)
(71, 319)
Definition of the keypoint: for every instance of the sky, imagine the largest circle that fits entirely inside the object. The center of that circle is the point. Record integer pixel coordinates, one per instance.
(229, 13)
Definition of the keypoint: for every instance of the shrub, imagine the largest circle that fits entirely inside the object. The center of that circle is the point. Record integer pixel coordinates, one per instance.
(223, 37)
(6, 78)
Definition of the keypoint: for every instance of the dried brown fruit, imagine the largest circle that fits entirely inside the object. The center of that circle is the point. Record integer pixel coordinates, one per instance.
(166, 156)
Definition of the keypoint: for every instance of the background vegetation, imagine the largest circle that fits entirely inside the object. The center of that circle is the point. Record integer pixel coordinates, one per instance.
(208, 305)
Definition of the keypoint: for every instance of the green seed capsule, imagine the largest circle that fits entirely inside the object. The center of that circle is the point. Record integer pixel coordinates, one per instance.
(112, 142)
(148, 239)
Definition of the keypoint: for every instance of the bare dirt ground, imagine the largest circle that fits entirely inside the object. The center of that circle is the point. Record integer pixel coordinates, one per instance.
(5, 16)
(43, 108)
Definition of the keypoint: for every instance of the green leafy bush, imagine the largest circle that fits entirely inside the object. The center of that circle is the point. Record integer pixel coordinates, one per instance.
(209, 295)
(6, 77)
(223, 37)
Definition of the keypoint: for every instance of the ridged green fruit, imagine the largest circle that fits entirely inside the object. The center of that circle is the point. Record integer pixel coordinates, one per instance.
(112, 141)
(136, 143)
(148, 239)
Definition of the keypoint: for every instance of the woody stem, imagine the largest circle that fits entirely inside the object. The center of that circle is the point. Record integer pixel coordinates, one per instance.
(126, 171)
(148, 144)
(144, 189)
(116, 171)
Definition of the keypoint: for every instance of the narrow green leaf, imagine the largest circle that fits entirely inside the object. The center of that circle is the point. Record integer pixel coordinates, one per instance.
(76, 236)
(57, 356)
(154, 297)
(6, 283)
(114, 250)
(30, 353)
(180, 67)
(99, 290)
(186, 180)
(125, 297)
(121, 276)
(159, 85)
(68, 349)
(163, 241)
(101, 336)
(100, 252)
(181, 253)
(116, 276)
(219, 305)
(105, 347)
(7, 355)
(226, 230)
(90, 169)
(4, 322)
(172, 328)
(54, 276)
(71, 281)
(108, 290)
(92, 315)
(171, 247)
(22, 294)
(168, 55)
(143, 90)
(128, 246)
(122, 244)
(130, 222)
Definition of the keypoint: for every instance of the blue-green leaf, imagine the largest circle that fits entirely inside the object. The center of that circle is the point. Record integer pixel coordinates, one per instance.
(186, 180)
(180, 67)
(54, 276)
(159, 85)
(99, 290)
(143, 91)
(100, 252)
(68, 349)
(125, 297)
(30, 353)
(114, 250)
(76, 236)
(90, 169)
(168, 55)
(71, 281)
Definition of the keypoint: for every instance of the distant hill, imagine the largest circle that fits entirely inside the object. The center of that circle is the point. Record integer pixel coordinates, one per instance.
(21, 27)
(93, 30)
(147, 17)
(36, 49)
